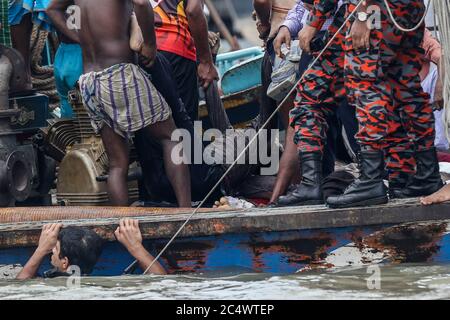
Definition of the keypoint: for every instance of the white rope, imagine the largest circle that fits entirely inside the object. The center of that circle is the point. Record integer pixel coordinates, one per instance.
(442, 12)
(401, 28)
(253, 139)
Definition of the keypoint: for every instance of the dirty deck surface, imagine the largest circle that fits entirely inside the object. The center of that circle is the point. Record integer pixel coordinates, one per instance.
(20, 227)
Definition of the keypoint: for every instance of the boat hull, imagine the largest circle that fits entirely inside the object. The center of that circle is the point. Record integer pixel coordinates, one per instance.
(273, 241)
(279, 252)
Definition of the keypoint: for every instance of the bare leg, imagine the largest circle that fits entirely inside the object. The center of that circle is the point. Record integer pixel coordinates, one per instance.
(285, 109)
(178, 174)
(118, 154)
(289, 171)
(442, 195)
(21, 37)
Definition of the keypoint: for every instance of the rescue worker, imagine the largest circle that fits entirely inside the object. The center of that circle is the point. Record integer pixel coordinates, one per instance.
(384, 83)
(382, 80)
(318, 96)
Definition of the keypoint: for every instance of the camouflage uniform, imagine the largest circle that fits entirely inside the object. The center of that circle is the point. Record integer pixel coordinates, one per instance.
(394, 112)
(383, 83)
(322, 89)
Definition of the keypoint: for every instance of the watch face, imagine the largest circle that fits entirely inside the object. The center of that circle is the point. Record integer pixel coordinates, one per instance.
(362, 16)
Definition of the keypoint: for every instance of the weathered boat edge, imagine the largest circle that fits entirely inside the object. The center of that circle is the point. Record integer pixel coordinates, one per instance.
(26, 234)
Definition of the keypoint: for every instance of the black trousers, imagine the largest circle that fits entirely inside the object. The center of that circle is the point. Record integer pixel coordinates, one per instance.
(185, 75)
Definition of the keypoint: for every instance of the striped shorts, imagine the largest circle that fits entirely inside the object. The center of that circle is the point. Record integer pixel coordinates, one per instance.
(123, 98)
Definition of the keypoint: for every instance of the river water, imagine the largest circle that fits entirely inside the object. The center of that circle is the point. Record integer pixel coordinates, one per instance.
(404, 281)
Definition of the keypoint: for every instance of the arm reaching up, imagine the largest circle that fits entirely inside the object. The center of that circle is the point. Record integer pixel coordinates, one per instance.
(129, 235)
(146, 20)
(47, 242)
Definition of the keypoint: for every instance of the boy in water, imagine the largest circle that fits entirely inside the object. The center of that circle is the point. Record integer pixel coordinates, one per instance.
(117, 93)
(72, 246)
(75, 246)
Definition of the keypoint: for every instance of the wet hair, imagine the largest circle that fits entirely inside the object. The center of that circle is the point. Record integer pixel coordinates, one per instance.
(81, 246)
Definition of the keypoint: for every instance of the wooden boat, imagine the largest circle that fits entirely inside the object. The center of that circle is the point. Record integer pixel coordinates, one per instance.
(273, 241)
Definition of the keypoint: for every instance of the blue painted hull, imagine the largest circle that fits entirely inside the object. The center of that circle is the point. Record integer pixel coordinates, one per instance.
(280, 252)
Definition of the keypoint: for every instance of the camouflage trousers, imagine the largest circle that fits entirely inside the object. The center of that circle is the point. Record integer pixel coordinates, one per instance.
(383, 83)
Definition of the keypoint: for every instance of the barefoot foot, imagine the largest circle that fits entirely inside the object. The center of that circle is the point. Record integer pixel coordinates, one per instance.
(440, 196)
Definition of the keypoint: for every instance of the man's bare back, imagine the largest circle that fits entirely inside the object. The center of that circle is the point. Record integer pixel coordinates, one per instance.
(105, 33)
(103, 30)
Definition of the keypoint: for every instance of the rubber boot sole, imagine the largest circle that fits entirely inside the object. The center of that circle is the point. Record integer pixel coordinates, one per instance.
(365, 203)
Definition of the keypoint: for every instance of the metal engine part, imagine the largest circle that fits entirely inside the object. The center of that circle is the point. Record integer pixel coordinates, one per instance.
(22, 165)
(17, 80)
(84, 164)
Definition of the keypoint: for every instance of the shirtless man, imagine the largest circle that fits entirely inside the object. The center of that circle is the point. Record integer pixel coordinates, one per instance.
(116, 92)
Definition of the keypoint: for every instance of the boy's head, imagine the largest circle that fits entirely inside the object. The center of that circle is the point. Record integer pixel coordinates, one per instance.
(77, 247)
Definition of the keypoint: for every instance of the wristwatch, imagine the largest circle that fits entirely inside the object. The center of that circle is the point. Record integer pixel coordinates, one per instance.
(363, 16)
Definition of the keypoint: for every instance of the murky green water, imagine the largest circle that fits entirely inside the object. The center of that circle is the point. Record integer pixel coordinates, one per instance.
(396, 282)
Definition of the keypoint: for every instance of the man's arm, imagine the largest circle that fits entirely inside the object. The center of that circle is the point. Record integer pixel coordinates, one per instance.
(198, 26)
(293, 20)
(290, 28)
(57, 13)
(146, 20)
(360, 30)
(263, 9)
(47, 242)
(129, 235)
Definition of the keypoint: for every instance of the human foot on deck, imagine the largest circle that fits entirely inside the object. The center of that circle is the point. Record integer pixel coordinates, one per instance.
(440, 196)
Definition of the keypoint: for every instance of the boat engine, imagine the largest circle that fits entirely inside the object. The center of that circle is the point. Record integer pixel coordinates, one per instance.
(25, 172)
(83, 169)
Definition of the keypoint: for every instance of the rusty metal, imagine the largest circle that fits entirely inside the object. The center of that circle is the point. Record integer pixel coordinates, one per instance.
(410, 243)
(96, 214)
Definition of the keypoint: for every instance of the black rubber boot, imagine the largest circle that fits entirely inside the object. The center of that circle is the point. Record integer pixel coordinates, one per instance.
(427, 179)
(397, 185)
(369, 188)
(309, 191)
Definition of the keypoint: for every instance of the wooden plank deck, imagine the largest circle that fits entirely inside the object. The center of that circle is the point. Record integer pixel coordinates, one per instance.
(162, 225)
